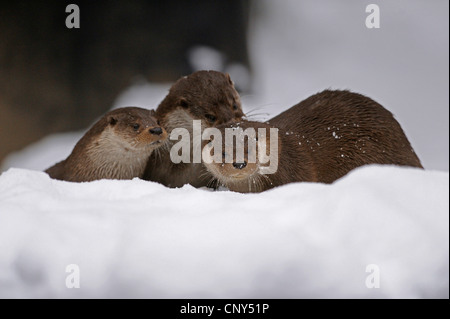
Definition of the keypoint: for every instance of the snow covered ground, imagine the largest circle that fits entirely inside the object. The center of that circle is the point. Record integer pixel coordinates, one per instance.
(140, 239)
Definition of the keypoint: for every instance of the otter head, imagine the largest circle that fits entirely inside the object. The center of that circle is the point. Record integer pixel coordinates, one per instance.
(208, 96)
(249, 172)
(134, 129)
(116, 147)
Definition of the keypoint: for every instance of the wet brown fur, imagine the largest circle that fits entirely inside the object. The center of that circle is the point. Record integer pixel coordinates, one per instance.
(327, 135)
(208, 96)
(113, 148)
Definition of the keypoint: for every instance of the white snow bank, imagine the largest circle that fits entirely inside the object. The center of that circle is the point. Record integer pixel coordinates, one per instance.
(140, 239)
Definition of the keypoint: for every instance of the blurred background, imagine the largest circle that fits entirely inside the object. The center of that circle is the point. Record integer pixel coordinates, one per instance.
(55, 81)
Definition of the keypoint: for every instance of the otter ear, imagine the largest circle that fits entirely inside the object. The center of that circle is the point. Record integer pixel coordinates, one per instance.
(183, 103)
(229, 79)
(112, 120)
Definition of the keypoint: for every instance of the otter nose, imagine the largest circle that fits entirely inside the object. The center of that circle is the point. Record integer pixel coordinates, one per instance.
(239, 165)
(156, 130)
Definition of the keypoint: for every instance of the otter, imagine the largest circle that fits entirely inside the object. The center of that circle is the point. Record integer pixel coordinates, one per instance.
(321, 139)
(115, 147)
(209, 96)
(246, 176)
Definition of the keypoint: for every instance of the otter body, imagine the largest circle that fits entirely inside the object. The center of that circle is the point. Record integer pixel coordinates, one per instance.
(320, 140)
(208, 96)
(116, 147)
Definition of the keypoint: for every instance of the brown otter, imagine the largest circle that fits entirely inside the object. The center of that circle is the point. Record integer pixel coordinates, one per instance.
(208, 96)
(116, 147)
(320, 140)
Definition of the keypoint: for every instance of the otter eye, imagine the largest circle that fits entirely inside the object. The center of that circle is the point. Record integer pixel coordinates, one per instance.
(184, 103)
(136, 127)
(235, 106)
(210, 118)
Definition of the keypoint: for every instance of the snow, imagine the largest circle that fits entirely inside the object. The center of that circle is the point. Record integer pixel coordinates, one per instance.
(140, 239)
